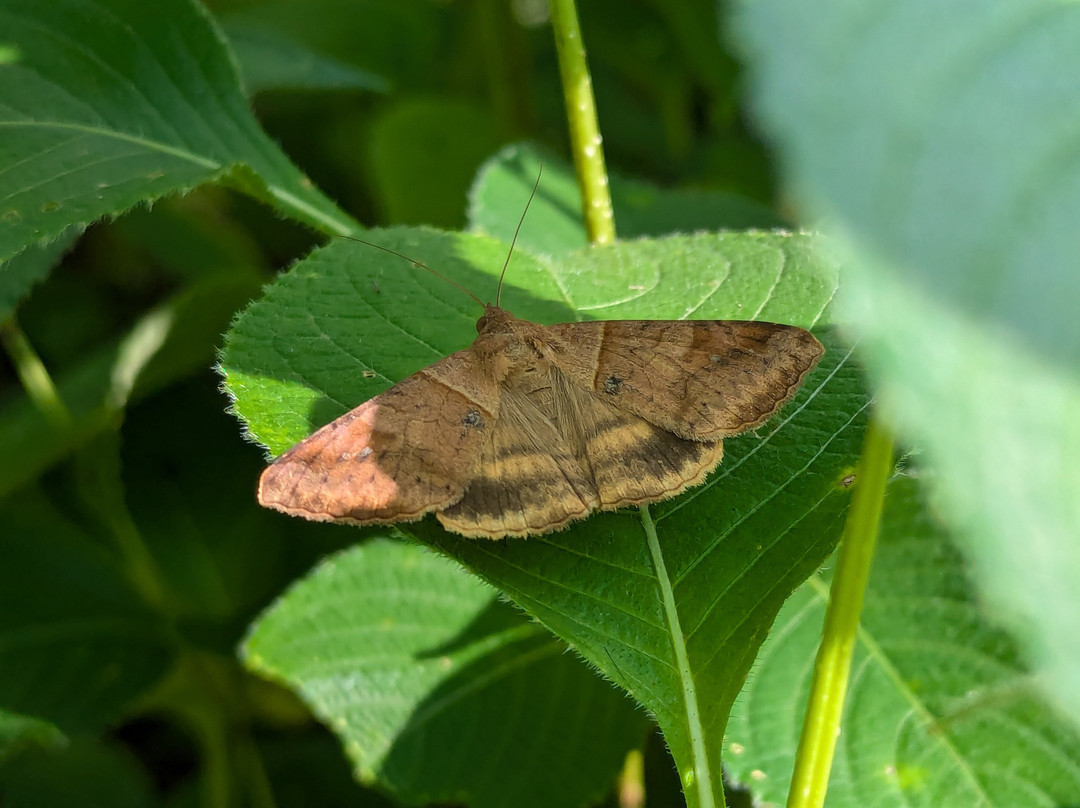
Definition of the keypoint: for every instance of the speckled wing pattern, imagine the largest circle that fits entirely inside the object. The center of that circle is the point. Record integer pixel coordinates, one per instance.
(701, 379)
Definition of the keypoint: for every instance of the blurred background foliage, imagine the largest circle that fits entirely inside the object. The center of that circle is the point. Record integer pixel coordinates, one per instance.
(390, 106)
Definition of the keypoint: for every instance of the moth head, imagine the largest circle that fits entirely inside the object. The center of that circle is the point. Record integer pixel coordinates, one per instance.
(494, 320)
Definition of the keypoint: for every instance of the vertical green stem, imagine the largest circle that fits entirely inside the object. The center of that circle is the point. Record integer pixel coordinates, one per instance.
(99, 479)
(585, 140)
(34, 376)
(101, 487)
(631, 792)
(200, 693)
(813, 761)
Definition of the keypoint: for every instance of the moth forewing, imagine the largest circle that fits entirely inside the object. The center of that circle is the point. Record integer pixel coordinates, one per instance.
(533, 427)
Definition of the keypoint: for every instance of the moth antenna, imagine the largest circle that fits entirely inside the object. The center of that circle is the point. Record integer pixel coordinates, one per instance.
(418, 265)
(513, 241)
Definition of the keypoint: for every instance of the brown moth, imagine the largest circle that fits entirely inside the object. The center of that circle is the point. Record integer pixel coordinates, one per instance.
(534, 426)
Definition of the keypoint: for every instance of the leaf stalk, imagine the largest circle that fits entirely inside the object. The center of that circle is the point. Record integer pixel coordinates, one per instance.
(832, 669)
(585, 140)
(34, 376)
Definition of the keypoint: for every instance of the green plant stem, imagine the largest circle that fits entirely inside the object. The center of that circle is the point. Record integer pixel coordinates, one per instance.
(259, 791)
(93, 479)
(632, 780)
(821, 727)
(201, 693)
(34, 376)
(585, 140)
(101, 488)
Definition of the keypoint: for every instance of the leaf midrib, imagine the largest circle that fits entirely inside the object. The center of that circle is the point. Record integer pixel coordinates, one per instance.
(702, 774)
(278, 192)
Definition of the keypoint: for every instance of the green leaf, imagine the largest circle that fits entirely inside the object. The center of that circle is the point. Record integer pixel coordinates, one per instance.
(19, 275)
(553, 224)
(108, 103)
(69, 621)
(17, 732)
(939, 150)
(437, 689)
(939, 710)
(85, 774)
(186, 239)
(308, 769)
(999, 426)
(168, 342)
(220, 557)
(941, 145)
(422, 156)
(403, 42)
(271, 60)
(729, 551)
